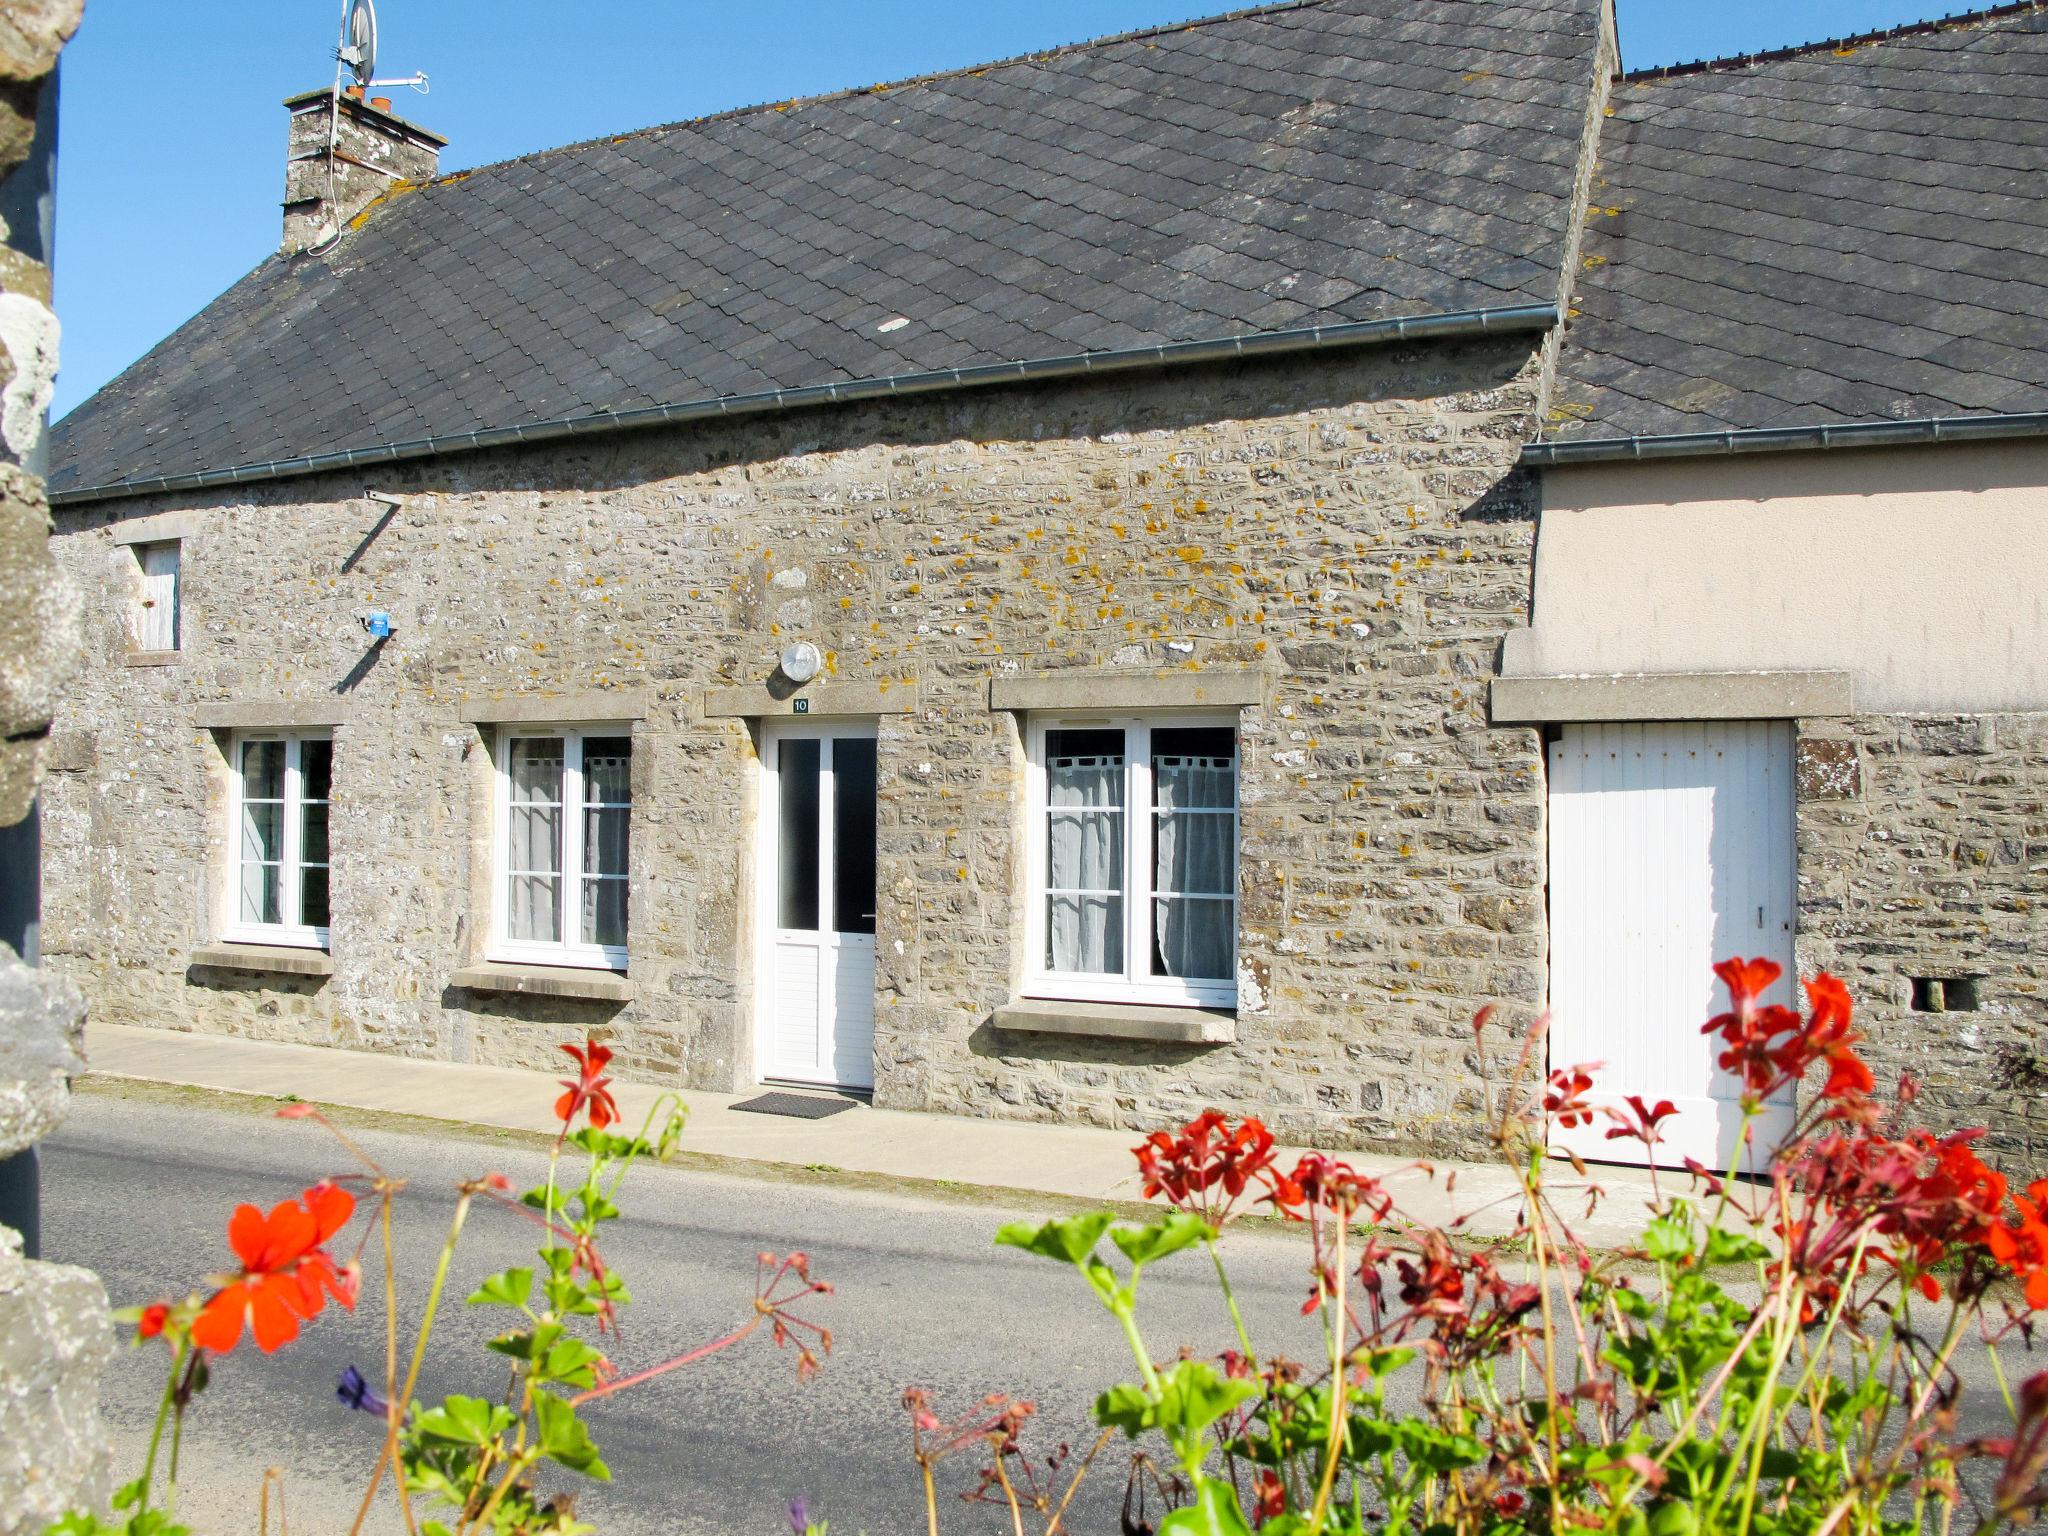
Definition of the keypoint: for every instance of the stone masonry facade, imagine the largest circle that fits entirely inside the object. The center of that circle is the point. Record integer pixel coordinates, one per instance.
(1923, 854)
(1349, 529)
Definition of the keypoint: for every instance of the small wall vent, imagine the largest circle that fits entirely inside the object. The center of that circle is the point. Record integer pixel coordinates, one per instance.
(1945, 994)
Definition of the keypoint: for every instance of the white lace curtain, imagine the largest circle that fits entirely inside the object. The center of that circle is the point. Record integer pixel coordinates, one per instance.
(1194, 846)
(1085, 874)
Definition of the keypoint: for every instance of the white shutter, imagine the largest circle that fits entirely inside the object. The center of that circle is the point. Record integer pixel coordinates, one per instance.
(1671, 848)
(156, 626)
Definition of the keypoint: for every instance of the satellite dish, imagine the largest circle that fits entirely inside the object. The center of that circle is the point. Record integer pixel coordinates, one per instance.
(359, 40)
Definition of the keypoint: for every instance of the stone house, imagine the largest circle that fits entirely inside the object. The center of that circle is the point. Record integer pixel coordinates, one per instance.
(1162, 573)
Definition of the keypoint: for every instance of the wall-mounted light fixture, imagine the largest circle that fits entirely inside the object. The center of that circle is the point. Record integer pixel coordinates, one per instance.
(800, 662)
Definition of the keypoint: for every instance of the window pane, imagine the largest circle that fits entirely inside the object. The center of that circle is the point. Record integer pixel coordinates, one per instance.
(853, 835)
(1194, 853)
(316, 768)
(1084, 768)
(262, 833)
(1194, 939)
(262, 770)
(313, 834)
(1085, 933)
(1085, 851)
(534, 914)
(313, 897)
(535, 834)
(537, 769)
(606, 834)
(1084, 791)
(607, 770)
(259, 892)
(1194, 768)
(604, 912)
(797, 835)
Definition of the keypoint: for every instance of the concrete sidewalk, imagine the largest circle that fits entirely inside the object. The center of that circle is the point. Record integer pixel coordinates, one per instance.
(1075, 1162)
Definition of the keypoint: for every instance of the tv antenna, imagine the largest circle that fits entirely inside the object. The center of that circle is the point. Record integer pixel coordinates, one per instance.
(357, 54)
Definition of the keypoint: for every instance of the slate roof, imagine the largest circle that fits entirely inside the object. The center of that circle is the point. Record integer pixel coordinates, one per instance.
(1305, 163)
(1852, 232)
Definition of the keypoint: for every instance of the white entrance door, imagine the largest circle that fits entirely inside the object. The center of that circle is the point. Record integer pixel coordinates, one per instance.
(816, 971)
(1671, 848)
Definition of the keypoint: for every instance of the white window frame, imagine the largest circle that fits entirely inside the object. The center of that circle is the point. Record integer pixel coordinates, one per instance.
(291, 860)
(138, 629)
(566, 951)
(1135, 985)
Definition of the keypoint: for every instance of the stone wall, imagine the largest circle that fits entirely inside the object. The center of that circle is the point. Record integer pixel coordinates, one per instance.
(1348, 527)
(1923, 852)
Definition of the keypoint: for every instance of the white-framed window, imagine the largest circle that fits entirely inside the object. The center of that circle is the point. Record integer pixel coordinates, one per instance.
(1133, 859)
(277, 889)
(156, 624)
(563, 845)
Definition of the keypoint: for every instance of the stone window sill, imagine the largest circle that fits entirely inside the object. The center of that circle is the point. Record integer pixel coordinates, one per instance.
(154, 658)
(1118, 1021)
(273, 959)
(545, 981)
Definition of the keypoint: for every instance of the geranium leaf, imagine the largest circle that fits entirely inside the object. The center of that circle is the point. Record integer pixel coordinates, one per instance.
(1215, 1512)
(565, 1440)
(1070, 1239)
(507, 1288)
(1170, 1234)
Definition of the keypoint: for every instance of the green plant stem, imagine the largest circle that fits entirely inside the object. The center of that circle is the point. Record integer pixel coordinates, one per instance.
(931, 1497)
(389, 1456)
(1339, 1389)
(626, 1163)
(1244, 1338)
(517, 1465)
(156, 1433)
(1541, 1252)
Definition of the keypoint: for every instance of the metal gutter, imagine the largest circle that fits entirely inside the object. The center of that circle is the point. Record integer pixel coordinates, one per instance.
(1511, 320)
(1855, 434)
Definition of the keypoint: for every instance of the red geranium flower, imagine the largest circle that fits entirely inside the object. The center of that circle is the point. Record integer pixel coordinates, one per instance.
(590, 1089)
(1566, 1097)
(286, 1274)
(1208, 1156)
(1749, 1030)
(152, 1321)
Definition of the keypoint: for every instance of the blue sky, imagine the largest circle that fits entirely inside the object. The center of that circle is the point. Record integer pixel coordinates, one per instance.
(172, 136)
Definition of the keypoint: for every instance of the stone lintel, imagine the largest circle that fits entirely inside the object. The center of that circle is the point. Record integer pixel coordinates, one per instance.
(1672, 696)
(1118, 1021)
(1135, 689)
(761, 701)
(267, 714)
(274, 959)
(153, 658)
(545, 981)
(158, 528)
(558, 708)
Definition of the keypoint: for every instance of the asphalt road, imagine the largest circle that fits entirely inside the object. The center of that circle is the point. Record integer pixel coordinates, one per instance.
(140, 1189)
(139, 1183)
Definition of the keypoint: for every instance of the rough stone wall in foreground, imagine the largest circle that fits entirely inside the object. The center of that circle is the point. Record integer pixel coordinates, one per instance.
(54, 1331)
(1348, 527)
(1923, 852)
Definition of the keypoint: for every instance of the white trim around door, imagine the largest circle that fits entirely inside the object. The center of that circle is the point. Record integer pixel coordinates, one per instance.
(814, 960)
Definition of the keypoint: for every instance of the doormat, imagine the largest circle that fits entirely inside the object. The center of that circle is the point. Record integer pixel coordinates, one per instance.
(804, 1106)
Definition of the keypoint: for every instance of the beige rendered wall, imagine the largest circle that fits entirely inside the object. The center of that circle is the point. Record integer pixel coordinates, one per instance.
(1923, 571)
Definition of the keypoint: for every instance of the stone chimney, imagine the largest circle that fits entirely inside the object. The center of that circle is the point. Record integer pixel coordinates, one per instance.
(336, 169)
